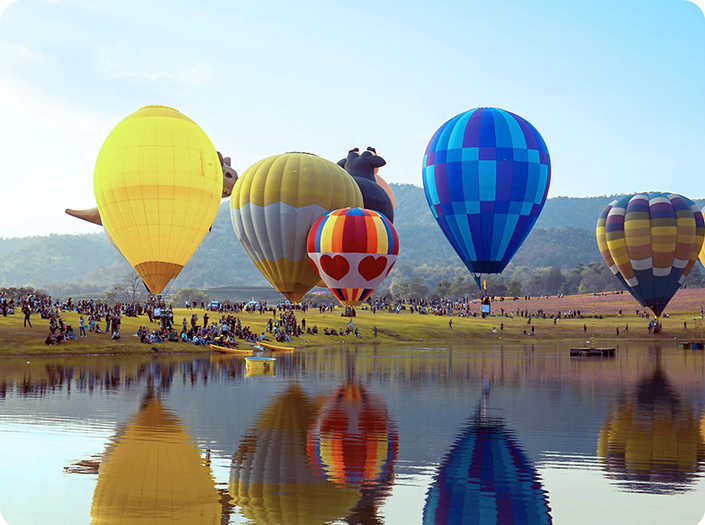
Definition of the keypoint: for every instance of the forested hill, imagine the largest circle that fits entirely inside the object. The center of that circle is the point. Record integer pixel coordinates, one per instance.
(564, 237)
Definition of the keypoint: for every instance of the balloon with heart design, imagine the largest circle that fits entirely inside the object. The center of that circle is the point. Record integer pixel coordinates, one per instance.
(353, 250)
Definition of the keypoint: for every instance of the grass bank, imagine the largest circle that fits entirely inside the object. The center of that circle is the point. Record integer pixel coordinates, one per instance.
(403, 328)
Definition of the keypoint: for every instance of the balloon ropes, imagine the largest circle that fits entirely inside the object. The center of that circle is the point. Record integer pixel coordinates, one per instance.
(651, 241)
(486, 174)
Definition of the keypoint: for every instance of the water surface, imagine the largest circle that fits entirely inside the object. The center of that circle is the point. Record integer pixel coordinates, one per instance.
(490, 434)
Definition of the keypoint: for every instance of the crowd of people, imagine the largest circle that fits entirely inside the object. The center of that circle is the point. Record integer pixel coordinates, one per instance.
(221, 324)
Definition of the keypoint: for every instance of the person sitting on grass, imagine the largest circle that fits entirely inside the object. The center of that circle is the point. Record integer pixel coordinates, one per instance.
(51, 340)
(116, 335)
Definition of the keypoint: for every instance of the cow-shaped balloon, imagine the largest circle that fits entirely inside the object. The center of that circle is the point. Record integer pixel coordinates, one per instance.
(363, 168)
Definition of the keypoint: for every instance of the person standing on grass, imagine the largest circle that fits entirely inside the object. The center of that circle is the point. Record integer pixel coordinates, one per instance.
(81, 327)
(26, 311)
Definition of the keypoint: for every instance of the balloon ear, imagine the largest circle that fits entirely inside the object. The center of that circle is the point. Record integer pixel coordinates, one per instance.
(220, 156)
(226, 160)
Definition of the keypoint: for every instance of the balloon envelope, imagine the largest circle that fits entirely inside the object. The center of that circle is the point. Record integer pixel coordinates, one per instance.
(273, 206)
(353, 250)
(157, 183)
(651, 241)
(375, 197)
(387, 189)
(486, 174)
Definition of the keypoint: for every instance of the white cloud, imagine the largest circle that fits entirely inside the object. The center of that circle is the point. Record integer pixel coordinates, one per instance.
(197, 74)
(14, 52)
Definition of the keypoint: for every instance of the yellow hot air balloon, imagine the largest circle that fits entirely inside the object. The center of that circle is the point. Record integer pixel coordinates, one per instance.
(273, 206)
(154, 474)
(158, 184)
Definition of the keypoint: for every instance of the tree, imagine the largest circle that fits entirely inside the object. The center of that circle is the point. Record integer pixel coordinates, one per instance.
(414, 289)
(129, 290)
(188, 294)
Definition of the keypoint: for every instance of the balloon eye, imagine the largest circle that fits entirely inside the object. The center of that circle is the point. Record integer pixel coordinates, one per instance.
(228, 175)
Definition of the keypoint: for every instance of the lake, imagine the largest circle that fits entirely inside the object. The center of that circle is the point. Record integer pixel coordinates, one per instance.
(476, 434)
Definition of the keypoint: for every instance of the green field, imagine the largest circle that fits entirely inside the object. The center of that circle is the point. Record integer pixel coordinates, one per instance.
(403, 328)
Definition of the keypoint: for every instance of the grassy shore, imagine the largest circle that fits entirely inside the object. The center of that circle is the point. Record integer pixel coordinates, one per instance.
(402, 329)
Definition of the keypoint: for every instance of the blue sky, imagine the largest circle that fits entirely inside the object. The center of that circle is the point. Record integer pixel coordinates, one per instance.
(617, 89)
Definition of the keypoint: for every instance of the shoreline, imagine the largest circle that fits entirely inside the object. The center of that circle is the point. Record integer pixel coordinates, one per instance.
(400, 329)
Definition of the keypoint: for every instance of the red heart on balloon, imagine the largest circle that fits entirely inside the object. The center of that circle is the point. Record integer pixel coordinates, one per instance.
(337, 267)
(390, 268)
(372, 267)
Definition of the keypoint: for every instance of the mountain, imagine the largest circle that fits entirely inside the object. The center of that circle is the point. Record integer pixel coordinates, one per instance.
(563, 236)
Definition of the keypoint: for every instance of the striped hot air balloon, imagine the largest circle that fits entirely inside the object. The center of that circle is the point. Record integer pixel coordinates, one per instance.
(273, 206)
(158, 183)
(486, 174)
(353, 250)
(651, 241)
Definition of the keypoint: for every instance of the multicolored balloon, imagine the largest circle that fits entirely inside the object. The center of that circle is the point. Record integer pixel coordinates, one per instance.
(353, 249)
(158, 183)
(352, 440)
(486, 174)
(651, 241)
(273, 206)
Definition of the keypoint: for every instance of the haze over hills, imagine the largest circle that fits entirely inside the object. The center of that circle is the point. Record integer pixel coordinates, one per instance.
(563, 236)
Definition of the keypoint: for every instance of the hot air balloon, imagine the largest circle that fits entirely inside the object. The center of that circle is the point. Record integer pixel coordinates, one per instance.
(363, 168)
(486, 174)
(158, 183)
(387, 189)
(486, 478)
(273, 206)
(270, 479)
(651, 442)
(153, 473)
(651, 241)
(353, 250)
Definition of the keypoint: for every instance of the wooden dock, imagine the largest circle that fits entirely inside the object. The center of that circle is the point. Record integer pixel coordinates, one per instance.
(593, 352)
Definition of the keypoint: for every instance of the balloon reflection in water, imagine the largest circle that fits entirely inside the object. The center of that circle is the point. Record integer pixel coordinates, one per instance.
(154, 474)
(351, 440)
(486, 478)
(652, 442)
(270, 479)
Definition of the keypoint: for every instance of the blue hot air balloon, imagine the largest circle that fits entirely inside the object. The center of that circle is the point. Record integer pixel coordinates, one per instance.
(486, 174)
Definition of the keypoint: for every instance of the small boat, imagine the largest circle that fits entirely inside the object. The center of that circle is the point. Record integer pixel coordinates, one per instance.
(275, 348)
(259, 366)
(237, 351)
(593, 352)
